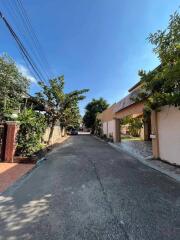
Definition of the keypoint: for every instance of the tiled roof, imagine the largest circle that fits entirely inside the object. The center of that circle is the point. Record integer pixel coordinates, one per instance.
(134, 86)
(107, 114)
(126, 102)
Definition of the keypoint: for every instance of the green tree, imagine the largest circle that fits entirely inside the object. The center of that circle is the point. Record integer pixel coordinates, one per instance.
(162, 85)
(135, 125)
(72, 117)
(92, 109)
(98, 128)
(32, 128)
(13, 87)
(60, 106)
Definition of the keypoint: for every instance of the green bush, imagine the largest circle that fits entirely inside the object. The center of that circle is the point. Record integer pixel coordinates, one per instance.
(135, 125)
(32, 127)
(98, 128)
(104, 136)
(111, 137)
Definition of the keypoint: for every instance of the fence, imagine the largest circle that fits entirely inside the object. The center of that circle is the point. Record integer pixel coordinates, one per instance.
(8, 138)
(57, 134)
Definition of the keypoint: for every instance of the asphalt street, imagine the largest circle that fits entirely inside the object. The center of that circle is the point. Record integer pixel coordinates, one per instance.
(86, 190)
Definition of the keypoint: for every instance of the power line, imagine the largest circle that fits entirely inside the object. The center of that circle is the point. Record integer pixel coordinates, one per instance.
(19, 28)
(23, 49)
(37, 43)
(24, 55)
(22, 27)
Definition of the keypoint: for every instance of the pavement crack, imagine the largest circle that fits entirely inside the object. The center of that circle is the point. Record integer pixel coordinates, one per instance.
(109, 205)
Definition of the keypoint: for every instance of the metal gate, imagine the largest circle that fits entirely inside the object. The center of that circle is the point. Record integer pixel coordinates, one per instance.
(2, 139)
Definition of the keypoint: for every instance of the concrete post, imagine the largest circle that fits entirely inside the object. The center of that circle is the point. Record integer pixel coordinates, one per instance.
(117, 135)
(154, 134)
(10, 141)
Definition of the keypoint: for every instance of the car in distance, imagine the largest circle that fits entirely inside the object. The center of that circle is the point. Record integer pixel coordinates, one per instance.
(74, 132)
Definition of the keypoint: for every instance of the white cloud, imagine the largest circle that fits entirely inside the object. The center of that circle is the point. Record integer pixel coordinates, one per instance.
(25, 72)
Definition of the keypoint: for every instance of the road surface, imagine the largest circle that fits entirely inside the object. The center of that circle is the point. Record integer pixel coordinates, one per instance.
(86, 190)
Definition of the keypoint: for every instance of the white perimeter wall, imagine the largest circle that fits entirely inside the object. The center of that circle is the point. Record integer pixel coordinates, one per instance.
(109, 128)
(57, 134)
(105, 127)
(169, 134)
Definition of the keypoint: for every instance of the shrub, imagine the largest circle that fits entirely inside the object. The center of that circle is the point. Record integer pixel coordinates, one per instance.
(135, 125)
(104, 136)
(98, 127)
(111, 137)
(32, 127)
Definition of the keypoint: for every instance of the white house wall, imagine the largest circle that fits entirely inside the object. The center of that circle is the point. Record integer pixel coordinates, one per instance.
(168, 120)
(105, 128)
(109, 128)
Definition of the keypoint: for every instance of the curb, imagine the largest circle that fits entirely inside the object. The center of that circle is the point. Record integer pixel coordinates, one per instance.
(101, 140)
(41, 160)
(149, 164)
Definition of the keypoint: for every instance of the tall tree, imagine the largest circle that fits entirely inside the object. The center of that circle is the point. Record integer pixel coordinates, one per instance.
(92, 109)
(60, 106)
(71, 116)
(162, 85)
(13, 86)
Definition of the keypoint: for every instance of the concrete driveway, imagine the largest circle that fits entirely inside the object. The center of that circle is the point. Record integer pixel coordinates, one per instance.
(87, 190)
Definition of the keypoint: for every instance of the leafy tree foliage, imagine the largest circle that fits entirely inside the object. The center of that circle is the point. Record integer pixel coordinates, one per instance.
(32, 127)
(162, 85)
(72, 117)
(134, 125)
(60, 107)
(92, 109)
(13, 87)
(98, 128)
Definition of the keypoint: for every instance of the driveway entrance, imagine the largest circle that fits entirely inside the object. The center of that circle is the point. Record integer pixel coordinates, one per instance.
(142, 149)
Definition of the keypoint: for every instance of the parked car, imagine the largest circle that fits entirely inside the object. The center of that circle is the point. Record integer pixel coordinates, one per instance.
(74, 132)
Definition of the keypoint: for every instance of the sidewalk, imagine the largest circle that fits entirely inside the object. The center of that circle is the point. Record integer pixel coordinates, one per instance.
(163, 167)
(11, 172)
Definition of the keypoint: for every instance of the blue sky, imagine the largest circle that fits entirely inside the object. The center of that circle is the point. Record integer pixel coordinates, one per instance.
(96, 44)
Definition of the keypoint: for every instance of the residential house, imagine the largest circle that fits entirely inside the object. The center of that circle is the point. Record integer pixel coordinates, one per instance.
(162, 128)
(111, 117)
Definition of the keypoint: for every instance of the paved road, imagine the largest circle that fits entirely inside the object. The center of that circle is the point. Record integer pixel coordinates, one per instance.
(87, 190)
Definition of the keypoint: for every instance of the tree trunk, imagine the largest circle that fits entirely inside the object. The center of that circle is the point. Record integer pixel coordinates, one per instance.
(51, 133)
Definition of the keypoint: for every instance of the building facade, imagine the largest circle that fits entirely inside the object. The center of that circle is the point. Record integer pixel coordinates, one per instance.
(163, 127)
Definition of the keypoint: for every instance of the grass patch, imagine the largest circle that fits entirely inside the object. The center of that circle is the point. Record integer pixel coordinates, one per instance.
(130, 138)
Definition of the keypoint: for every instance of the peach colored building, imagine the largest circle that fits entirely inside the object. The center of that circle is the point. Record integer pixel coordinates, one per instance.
(166, 134)
(108, 121)
(163, 127)
(111, 117)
